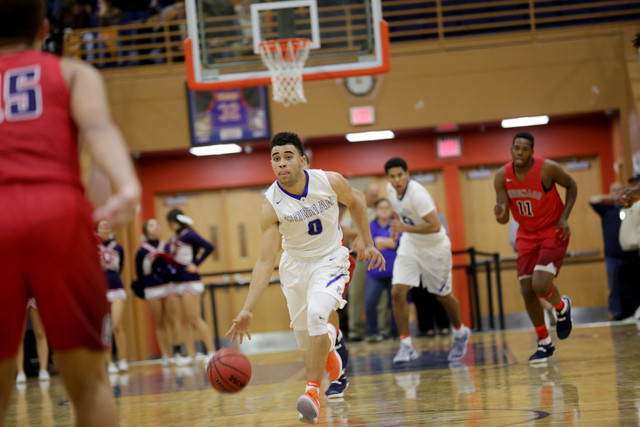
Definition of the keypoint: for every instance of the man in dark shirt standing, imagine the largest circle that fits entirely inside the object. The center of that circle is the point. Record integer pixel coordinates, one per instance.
(620, 264)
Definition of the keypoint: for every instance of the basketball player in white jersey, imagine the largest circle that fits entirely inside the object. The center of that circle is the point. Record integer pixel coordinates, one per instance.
(302, 206)
(424, 252)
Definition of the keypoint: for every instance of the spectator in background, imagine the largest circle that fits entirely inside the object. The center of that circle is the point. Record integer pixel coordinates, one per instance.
(630, 242)
(379, 282)
(108, 15)
(219, 29)
(156, 35)
(355, 297)
(615, 258)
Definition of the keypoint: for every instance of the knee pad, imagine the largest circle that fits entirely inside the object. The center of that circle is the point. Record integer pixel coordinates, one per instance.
(320, 306)
(302, 337)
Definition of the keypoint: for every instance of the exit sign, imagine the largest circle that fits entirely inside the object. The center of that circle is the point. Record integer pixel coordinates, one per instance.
(449, 146)
(362, 116)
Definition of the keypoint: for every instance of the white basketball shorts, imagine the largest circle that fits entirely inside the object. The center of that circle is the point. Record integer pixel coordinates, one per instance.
(433, 264)
(114, 294)
(300, 280)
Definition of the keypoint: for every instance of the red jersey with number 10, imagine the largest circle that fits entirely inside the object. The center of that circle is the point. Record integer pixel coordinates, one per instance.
(536, 209)
(38, 138)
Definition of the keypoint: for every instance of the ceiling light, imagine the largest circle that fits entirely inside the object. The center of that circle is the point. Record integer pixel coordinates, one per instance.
(215, 150)
(525, 121)
(370, 136)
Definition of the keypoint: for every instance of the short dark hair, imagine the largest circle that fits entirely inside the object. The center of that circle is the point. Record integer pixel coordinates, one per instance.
(20, 20)
(523, 135)
(286, 138)
(173, 216)
(395, 163)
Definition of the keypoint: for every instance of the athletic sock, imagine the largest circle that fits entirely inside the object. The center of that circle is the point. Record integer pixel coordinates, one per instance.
(406, 340)
(459, 331)
(559, 307)
(542, 332)
(312, 384)
(332, 336)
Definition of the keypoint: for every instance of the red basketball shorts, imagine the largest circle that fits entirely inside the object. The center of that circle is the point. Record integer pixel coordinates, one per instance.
(540, 252)
(48, 251)
(352, 267)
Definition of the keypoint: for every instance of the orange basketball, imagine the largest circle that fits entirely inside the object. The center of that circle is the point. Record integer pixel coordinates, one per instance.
(228, 371)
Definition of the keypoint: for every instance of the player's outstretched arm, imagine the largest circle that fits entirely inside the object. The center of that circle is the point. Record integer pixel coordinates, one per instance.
(501, 209)
(630, 196)
(262, 271)
(563, 179)
(358, 208)
(90, 111)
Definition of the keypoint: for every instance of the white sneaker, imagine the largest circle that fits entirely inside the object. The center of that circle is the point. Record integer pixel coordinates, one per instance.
(123, 365)
(165, 361)
(184, 361)
(21, 378)
(44, 376)
(405, 354)
(209, 356)
(112, 369)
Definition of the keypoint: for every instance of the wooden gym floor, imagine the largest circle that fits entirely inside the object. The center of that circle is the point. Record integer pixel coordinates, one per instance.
(592, 381)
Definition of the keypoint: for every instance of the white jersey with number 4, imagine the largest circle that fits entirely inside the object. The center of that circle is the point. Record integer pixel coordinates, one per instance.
(308, 223)
(415, 203)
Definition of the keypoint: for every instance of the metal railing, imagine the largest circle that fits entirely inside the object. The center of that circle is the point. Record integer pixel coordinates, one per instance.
(229, 38)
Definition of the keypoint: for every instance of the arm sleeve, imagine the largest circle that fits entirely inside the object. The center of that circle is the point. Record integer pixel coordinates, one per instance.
(423, 202)
(121, 252)
(198, 242)
(139, 259)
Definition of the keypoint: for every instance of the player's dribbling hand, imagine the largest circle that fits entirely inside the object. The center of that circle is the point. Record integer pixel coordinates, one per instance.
(499, 210)
(240, 326)
(375, 258)
(566, 230)
(120, 207)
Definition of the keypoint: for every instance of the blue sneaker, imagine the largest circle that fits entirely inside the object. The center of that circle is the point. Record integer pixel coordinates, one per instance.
(564, 323)
(337, 387)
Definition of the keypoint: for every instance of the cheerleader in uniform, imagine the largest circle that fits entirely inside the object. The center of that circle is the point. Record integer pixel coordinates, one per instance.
(156, 289)
(112, 260)
(188, 250)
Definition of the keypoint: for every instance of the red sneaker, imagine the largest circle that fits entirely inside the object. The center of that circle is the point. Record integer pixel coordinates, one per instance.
(309, 407)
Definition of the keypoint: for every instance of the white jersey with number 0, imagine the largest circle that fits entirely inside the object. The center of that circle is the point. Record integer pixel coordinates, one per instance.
(415, 203)
(308, 223)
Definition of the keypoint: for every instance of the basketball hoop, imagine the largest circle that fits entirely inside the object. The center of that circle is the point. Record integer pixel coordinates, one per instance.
(285, 60)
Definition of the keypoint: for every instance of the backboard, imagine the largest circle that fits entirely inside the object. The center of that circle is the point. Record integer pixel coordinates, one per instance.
(348, 38)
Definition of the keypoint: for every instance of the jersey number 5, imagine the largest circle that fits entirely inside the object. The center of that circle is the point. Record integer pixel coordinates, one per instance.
(315, 227)
(525, 207)
(21, 94)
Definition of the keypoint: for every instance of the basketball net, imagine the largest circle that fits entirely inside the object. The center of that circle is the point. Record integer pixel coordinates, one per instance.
(285, 60)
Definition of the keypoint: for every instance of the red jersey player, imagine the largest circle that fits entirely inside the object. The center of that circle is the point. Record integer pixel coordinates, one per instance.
(46, 105)
(527, 185)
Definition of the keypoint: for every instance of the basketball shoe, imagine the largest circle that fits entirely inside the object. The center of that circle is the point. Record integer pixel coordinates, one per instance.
(337, 387)
(309, 407)
(459, 347)
(543, 352)
(406, 354)
(564, 324)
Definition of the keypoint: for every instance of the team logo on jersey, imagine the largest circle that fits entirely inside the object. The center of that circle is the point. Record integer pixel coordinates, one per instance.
(307, 212)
